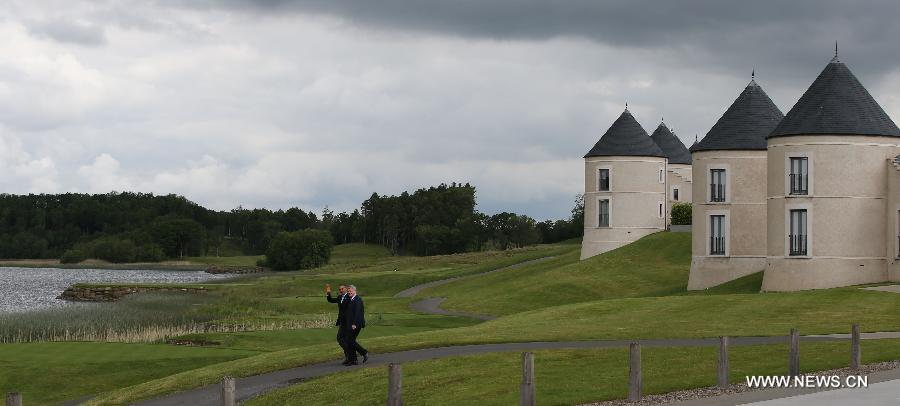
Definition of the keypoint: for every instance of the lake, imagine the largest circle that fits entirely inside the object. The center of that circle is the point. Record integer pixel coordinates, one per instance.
(24, 289)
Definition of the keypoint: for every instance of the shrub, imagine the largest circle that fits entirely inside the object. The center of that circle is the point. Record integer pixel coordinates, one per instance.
(114, 250)
(681, 214)
(73, 256)
(149, 253)
(299, 250)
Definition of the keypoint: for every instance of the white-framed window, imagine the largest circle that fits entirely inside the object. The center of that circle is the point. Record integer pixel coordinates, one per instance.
(897, 235)
(798, 230)
(717, 234)
(675, 194)
(798, 174)
(603, 212)
(717, 185)
(603, 179)
(798, 239)
(798, 177)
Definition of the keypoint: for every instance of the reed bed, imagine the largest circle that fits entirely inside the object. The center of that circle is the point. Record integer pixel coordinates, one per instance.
(145, 318)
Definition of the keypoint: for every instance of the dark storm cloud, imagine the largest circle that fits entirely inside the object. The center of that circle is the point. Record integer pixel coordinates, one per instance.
(728, 34)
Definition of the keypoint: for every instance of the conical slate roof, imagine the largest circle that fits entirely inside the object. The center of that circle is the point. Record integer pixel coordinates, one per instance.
(671, 145)
(745, 124)
(625, 137)
(836, 103)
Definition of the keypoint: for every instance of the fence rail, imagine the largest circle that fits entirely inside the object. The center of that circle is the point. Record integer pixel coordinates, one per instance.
(528, 387)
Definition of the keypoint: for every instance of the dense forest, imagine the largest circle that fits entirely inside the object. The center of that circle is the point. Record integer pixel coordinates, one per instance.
(145, 227)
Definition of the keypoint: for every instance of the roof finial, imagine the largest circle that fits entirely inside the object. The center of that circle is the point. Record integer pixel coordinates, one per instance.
(753, 74)
(662, 119)
(695, 138)
(835, 59)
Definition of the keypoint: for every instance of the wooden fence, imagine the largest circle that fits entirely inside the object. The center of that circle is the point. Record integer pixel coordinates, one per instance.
(528, 388)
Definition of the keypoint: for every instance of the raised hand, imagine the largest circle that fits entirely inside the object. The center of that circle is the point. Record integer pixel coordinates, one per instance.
(327, 288)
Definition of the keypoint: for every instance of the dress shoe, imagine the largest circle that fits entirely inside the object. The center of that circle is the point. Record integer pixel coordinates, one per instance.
(365, 357)
(351, 363)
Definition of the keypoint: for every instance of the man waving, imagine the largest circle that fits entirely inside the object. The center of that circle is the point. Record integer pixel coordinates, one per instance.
(342, 302)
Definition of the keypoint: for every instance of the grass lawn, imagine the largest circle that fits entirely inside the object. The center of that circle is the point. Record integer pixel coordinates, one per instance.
(565, 377)
(48, 373)
(656, 265)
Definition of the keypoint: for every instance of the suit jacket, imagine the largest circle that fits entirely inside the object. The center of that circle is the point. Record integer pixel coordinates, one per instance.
(356, 312)
(342, 301)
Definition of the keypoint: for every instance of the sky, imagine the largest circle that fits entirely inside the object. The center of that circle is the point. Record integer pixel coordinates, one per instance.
(321, 103)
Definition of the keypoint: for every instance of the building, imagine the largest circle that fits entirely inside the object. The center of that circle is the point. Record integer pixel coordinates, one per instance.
(729, 210)
(625, 188)
(832, 189)
(815, 205)
(679, 173)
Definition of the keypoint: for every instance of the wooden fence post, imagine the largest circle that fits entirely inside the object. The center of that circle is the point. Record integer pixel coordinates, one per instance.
(794, 355)
(855, 354)
(395, 385)
(13, 399)
(527, 390)
(227, 391)
(722, 370)
(635, 381)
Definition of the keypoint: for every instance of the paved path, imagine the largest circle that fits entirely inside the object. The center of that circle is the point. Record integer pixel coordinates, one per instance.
(432, 305)
(418, 288)
(251, 386)
(884, 389)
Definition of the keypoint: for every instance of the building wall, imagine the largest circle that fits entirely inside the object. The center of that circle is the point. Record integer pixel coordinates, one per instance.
(847, 211)
(635, 194)
(679, 176)
(745, 211)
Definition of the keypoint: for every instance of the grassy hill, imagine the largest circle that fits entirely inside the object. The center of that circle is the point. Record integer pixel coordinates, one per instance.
(657, 265)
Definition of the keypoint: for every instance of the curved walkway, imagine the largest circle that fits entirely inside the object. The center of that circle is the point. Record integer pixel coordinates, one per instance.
(432, 305)
(252, 386)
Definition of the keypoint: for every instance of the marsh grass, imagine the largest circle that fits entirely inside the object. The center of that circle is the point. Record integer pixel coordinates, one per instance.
(142, 318)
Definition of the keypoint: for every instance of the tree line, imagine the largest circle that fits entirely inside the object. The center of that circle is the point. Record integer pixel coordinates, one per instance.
(131, 226)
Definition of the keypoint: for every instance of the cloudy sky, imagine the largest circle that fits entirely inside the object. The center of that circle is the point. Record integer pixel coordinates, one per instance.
(314, 103)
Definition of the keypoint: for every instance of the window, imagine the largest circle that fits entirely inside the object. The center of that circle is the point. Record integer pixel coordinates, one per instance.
(717, 185)
(660, 209)
(603, 216)
(675, 194)
(799, 176)
(798, 236)
(662, 178)
(898, 233)
(604, 180)
(717, 235)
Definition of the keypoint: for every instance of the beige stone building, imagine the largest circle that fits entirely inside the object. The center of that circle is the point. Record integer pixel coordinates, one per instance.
(729, 210)
(817, 205)
(624, 188)
(832, 198)
(679, 173)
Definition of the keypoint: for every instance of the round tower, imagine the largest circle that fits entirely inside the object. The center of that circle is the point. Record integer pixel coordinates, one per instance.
(729, 208)
(624, 188)
(828, 188)
(679, 188)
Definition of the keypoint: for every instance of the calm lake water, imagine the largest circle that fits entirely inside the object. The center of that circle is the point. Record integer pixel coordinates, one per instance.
(23, 289)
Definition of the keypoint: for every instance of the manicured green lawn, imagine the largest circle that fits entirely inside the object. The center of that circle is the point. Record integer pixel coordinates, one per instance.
(564, 377)
(48, 373)
(656, 265)
(634, 292)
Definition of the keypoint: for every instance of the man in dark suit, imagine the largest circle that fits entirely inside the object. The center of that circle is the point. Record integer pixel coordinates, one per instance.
(355, 320)
(342, 302)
